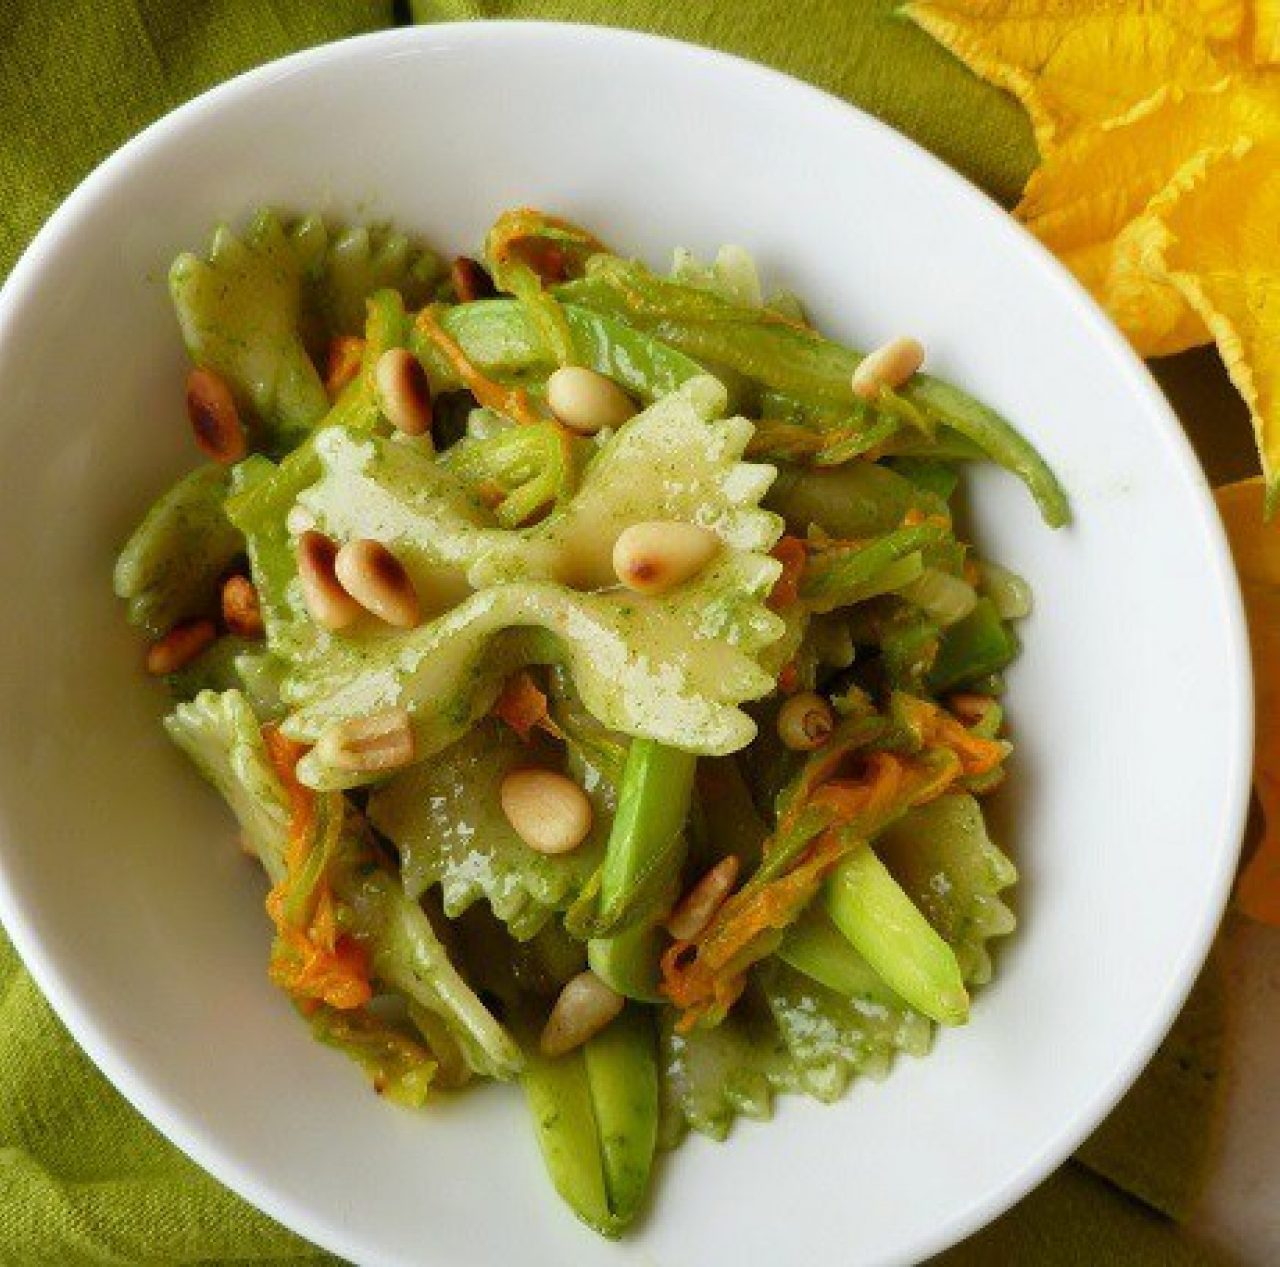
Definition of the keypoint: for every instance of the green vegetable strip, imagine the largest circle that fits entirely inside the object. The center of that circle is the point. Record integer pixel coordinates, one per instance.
(892, 577)
(646, 847)
(814, 946)
(500, 338)
(869, 907)
(842, 451)
(851, 502)
(946, 446)
(838, 578)
(522, 236)
(533, 465)
(996, 438)
(261, 496)
(972, 648)
(754, 342)
(929, 475)
(544, 312)
(629, 962)
(622, 1072)
(386, 327)
(559, 1096)
(909, 646)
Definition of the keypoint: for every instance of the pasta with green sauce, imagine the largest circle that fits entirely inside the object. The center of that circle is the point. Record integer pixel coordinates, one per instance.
(590, 658)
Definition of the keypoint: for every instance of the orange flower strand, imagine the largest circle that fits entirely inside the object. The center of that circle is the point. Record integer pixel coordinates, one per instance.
(939, 729)
(713, 976)
(346, 354)
(312, 962)
(523, 706)
(514, 402)
(793, 555)
(709, 982)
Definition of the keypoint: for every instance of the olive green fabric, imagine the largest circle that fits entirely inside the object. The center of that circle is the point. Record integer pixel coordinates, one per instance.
(83, 1179)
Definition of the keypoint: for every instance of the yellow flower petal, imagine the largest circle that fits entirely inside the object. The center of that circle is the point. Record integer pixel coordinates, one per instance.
(1221, 247)
(1256, 547)
(1094, 199)
(1074, 64)
(1089, 202)
(1266, 32)
(1159, 128)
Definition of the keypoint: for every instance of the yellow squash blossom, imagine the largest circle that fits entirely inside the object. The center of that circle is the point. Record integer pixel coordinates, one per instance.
(1158, 123)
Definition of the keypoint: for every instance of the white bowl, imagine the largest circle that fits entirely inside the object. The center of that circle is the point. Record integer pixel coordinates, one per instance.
(118, 879)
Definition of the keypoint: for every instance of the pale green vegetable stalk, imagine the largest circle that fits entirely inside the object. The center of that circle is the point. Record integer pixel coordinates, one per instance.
(622, 1072)
(867, 905)
(595, 1111)
(647, 845)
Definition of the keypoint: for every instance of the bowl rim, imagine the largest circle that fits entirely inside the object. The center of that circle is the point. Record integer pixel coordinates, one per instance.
(166, 1112)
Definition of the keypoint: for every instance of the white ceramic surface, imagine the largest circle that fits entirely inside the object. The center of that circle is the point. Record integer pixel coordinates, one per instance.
(118, 878)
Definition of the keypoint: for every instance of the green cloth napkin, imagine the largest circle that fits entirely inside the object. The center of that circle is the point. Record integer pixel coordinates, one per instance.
(83, 1179)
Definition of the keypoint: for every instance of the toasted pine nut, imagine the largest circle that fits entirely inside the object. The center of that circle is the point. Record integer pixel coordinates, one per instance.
(179, 646)
(888, 366)
(404, 391)
(471, 280)
(329, 604)
(214, 417)
(585, 1006)
(651, 558)
(548, 811)
(376, 579)
(346, 351)
(970, 707)
(585, 401)
(241, 611)
(805, 722)
(369, 744)
(698, 907)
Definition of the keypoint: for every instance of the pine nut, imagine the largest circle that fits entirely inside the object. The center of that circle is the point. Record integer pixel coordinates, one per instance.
(585, 1006)
(585, 401)
(241, 611)
(651, 558)
(376, 579)
(970, 707)
(179, 646)
(698, 907)
(888, 366)
(404, 391)
(329, 604)
(470, 280)
(548, 811)
(805, 722)
(369, 745)
(214, 417)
